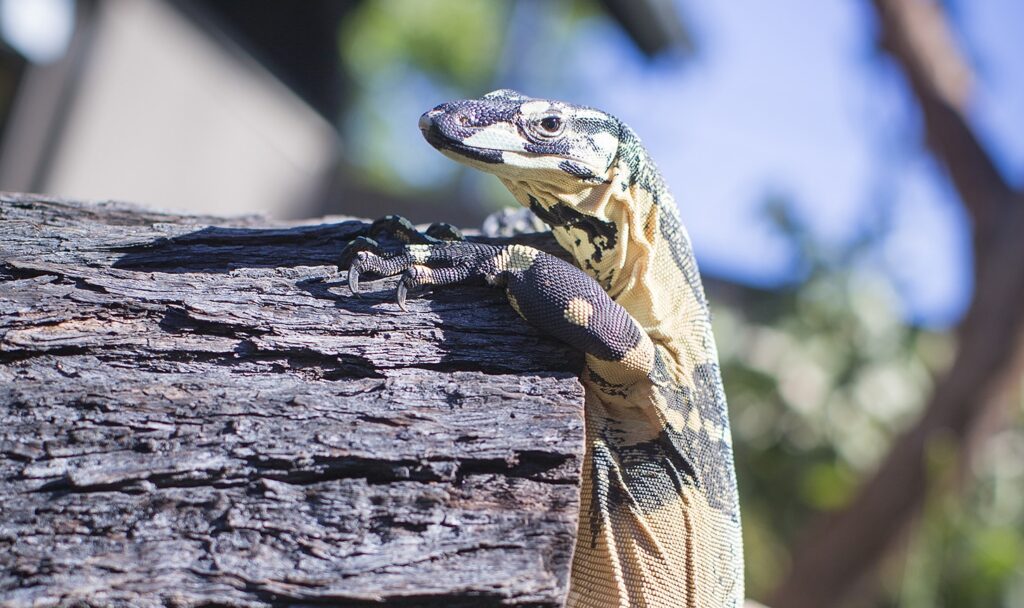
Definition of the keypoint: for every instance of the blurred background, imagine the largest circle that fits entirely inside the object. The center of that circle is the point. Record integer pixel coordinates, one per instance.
(850, 173)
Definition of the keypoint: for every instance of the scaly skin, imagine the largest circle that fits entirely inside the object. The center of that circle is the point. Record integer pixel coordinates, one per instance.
(659, 522)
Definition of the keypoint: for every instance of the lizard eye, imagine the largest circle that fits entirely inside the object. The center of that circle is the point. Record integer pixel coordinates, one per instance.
(549, 126)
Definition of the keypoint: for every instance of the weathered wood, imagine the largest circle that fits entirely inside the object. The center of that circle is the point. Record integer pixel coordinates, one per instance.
(198, 415)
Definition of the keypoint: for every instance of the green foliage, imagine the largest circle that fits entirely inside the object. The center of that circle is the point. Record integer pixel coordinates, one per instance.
(821, 377)
(437, 48)
(453, 41)
(969, 546)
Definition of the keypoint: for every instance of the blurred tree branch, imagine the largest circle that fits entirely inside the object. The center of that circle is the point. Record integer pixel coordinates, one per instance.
(917, 35)
(840, 550)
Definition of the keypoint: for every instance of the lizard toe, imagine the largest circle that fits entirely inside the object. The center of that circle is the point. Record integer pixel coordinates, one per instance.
(353, 248)
(443, 231)
(368, 262)
(414, 276)
(398, 228)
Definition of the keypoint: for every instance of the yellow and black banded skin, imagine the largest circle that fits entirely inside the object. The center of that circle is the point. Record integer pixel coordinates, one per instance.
(659, 522)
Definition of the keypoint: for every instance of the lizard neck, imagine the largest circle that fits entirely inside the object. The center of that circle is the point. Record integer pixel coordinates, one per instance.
(626, 233)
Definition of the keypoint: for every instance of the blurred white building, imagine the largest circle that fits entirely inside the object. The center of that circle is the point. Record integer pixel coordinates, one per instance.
(146, 106)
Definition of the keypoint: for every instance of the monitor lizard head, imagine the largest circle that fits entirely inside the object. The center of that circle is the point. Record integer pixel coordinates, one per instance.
(524, 139)
(581, 170)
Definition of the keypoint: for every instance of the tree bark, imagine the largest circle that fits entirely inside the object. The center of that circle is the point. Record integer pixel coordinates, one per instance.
(842, 549)
(196, 411)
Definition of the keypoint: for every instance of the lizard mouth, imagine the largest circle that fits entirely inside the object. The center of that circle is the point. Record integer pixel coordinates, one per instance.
(434, 125)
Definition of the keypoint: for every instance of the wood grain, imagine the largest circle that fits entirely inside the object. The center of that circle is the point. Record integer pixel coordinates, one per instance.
(196, 411)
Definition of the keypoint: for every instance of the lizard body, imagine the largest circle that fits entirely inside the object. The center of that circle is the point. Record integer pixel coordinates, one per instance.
(659, 522)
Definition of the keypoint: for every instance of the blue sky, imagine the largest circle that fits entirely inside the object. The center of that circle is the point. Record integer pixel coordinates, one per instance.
(790, 99)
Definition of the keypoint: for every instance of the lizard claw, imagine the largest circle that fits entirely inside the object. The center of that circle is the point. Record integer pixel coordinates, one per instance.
(353, 281)
(400, 294)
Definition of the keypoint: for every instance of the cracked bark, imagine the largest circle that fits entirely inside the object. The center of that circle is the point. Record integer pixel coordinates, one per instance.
(195, 411)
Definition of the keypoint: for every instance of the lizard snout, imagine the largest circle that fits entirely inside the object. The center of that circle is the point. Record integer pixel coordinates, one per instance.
(427, 120)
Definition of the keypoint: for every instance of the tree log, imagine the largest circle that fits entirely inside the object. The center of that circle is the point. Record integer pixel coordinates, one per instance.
(196, 411)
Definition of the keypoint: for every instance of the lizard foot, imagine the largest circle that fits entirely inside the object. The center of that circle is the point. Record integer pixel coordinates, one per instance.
(367, 255)
(420, 265)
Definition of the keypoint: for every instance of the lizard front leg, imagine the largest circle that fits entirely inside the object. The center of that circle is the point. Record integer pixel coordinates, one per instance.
(551, 294)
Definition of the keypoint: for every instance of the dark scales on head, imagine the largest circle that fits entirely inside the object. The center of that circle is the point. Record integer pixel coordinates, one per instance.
(642, 170)
(578, 170)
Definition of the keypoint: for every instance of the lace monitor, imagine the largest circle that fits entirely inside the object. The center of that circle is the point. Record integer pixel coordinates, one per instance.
(659, 522)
